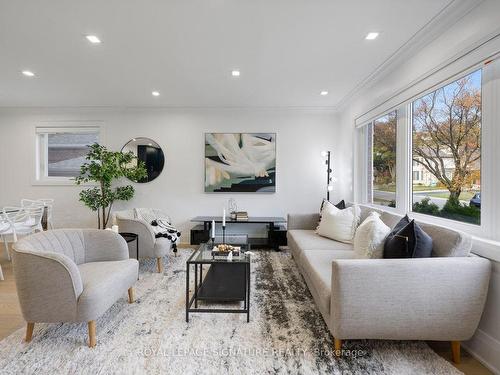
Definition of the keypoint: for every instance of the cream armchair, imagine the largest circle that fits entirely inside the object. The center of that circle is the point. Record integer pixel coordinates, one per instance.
(149, 245)
(71, 275)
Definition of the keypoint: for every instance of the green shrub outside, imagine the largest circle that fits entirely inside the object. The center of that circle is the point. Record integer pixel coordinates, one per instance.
(452, 209)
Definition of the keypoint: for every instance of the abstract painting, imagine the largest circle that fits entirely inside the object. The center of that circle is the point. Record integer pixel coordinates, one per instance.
(240, 162)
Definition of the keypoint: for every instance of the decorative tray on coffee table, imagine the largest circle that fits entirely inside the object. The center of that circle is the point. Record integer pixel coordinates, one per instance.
(224, 250)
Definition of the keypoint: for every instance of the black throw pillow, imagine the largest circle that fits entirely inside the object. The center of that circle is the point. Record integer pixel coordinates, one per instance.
(341, 205)
(408, 242)
(400, 225)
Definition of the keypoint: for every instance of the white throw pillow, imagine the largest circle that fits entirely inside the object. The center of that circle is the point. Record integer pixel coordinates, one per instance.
(339, 225)
(370, 237)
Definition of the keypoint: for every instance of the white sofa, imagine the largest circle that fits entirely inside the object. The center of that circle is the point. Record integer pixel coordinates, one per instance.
(439, 298)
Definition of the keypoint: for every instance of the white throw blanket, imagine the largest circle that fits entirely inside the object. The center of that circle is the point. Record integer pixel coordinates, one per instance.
(159, 223)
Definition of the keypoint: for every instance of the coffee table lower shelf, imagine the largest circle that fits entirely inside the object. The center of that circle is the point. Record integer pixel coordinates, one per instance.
(224, 282)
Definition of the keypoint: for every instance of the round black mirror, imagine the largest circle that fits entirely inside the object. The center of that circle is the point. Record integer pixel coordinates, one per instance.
(150, 153)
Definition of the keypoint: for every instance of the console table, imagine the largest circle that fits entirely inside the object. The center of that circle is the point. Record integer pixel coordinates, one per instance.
(276, 234)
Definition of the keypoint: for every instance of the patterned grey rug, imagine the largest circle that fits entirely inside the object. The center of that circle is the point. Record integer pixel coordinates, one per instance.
(286, 334)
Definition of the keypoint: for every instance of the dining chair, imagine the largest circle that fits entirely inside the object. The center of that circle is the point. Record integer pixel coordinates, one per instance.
(23, 221)
(48, 203)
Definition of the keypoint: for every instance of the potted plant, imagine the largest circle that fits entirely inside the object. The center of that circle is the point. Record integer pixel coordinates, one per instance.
(104, 167)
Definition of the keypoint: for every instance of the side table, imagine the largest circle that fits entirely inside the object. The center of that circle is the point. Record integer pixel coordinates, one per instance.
(131, 237)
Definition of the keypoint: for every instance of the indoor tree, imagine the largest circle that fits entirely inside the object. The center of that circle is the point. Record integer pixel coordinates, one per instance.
(104, 167)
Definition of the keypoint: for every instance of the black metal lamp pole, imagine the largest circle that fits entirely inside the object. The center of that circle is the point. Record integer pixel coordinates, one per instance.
(327, 154)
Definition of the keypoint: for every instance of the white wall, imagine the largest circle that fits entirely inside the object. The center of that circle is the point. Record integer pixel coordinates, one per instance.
(179, 190)
(406, 79)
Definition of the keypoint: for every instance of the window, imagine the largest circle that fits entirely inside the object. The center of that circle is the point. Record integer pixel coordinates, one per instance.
(446, 151)
(61, 151)
(383, 160)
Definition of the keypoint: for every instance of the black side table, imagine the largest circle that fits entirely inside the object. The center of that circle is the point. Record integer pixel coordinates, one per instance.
(130, 237)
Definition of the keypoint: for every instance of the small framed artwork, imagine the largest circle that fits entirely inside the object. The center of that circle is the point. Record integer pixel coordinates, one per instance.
(240, 162)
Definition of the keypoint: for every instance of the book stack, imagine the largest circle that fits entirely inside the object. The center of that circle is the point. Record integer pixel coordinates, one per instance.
(241, 216)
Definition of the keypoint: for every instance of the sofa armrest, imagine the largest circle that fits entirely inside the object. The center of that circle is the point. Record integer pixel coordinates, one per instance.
(104, 245)
(302, 221)
(139, 227)
(408, 299)
(48, 286)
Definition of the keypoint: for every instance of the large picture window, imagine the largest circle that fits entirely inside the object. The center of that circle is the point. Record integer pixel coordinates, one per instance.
(446, 151)
(383, 160)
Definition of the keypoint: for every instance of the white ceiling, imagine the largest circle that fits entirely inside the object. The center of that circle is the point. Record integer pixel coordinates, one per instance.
(287, 50)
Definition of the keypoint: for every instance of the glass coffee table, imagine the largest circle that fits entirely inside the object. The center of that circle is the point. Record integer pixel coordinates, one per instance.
(217, 280)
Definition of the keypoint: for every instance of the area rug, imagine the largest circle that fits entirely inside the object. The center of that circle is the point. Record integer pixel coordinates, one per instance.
(286, 334)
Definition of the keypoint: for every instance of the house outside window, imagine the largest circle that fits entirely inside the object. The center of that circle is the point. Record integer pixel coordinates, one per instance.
(61, 151)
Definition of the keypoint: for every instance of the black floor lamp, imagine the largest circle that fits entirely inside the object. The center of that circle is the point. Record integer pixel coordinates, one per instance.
(329, 186)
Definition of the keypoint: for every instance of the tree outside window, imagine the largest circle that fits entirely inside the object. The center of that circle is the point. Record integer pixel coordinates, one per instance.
(384, 160)
(447, 151)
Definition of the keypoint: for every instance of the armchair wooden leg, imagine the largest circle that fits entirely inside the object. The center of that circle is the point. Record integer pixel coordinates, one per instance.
(92, 337)
(159, 264)
(29, 331)
(455, 351)
(130, 295)
(338, 346)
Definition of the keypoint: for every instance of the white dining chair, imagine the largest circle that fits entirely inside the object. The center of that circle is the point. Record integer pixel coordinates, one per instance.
(48, 203)
(23, 221)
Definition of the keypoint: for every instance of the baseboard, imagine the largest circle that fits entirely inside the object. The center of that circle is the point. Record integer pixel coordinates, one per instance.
(485, 349)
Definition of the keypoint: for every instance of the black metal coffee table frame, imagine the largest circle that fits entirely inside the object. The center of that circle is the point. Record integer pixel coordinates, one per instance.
(224, 282)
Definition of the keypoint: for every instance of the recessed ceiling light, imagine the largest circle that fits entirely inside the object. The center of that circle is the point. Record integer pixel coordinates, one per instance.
(93, 39)
(28, 73)
(371, 36)
(323, 93)
(155, 93)
(235, 73)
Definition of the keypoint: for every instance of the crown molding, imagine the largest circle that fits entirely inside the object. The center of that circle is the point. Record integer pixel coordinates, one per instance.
(448, 16)
(112, 108)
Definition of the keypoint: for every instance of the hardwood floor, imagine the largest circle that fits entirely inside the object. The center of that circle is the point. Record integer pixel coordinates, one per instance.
(11, 320)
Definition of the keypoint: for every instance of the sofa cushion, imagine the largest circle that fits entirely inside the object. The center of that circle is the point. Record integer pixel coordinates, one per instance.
(103, 284)
(317, 265)
(448, 242)
(308, 239)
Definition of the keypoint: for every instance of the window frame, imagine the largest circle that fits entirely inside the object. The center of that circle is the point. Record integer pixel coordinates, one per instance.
(371, 138)
(41, 148)
(490, 172)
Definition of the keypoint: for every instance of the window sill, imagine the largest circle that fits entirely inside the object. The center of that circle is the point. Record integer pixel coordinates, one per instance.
(57, 182)
(481, 246)
(486, 248)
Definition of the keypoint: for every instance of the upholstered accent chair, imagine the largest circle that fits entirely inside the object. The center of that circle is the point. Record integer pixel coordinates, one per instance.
(149, 245)
(71, 275)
